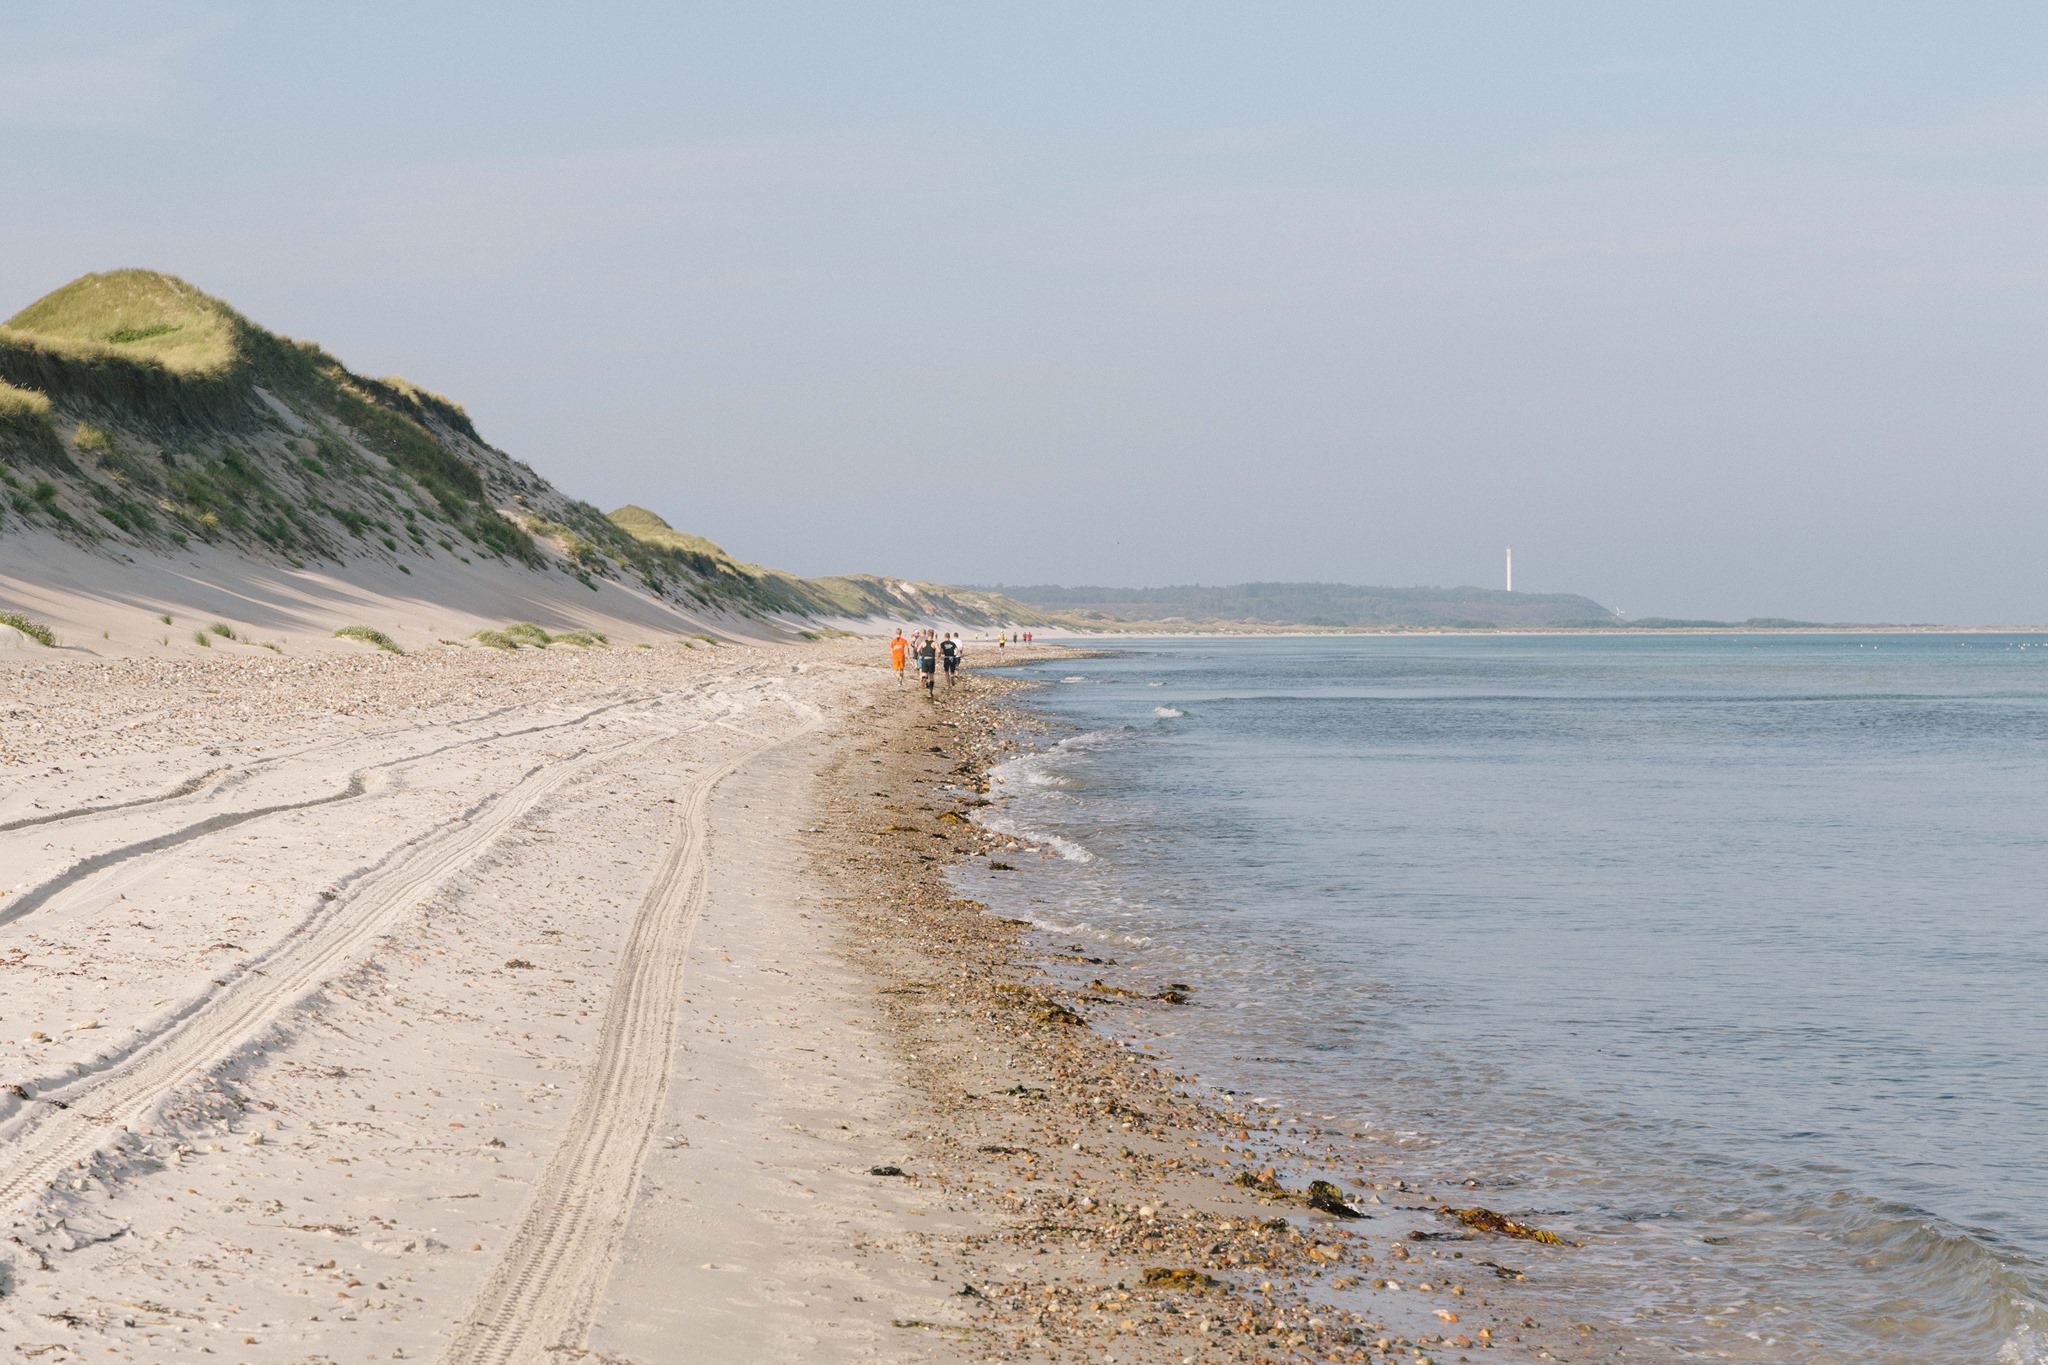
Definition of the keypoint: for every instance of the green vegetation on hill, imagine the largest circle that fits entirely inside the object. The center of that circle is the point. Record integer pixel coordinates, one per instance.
(854, 596)
(1325, 605)
(185, 420)
(135, 408)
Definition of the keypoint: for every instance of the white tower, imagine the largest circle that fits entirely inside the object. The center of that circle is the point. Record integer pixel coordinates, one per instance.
(1511, 568)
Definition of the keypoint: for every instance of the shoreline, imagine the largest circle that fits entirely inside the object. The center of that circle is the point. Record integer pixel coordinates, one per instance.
(328, 978)
(1140, 1213)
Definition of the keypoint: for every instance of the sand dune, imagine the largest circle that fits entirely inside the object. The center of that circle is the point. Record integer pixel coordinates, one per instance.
(115, 606)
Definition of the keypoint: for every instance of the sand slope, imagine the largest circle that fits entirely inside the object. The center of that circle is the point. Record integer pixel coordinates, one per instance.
(113, 605)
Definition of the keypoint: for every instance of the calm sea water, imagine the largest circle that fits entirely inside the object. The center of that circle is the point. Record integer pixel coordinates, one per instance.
(1726, 953)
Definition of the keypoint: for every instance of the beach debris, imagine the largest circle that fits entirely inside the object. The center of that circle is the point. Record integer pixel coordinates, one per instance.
(968, 1291)
(1177, 1277)
(1025, 1092)
(518, 964)
(887, 1170)
(1056, 1013)
(1001, 867)
(1486, 1220)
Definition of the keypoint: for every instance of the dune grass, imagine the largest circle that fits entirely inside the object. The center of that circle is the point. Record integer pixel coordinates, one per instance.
(537, 637)
(35, 630)
(19, 403)
(527, 633)
(369, 635)
(222, 629)
(139, 314)
(26, 426)
(202, 639)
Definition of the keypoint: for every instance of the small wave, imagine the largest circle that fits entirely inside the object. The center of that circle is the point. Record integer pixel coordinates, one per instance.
(2024, 1347)
(1076, 678)
(1011, 828)
(1168, 712)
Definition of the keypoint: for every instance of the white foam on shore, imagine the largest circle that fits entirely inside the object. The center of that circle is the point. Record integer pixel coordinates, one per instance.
(1031, 770)
(2024, 1347)
(1168, 712)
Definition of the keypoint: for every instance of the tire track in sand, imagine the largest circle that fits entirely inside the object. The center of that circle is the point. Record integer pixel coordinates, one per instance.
(62, 1130)
(39, 895)
(539, 1297)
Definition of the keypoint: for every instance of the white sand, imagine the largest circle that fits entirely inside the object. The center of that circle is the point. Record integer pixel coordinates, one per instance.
(359, 1007)
(115, 606)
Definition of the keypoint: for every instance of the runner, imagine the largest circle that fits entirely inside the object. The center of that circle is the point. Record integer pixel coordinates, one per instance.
(949, 654)
(898, 647)
(928, 664)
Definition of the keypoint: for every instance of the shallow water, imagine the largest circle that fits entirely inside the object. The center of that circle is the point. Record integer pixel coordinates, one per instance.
(1722, 953)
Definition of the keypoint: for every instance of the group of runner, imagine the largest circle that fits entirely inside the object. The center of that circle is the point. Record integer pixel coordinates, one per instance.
(931, 652)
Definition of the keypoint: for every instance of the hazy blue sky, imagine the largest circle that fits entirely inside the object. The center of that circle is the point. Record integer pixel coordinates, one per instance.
(1707, 309)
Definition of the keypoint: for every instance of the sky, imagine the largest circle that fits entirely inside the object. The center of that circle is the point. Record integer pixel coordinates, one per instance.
(1716, 310)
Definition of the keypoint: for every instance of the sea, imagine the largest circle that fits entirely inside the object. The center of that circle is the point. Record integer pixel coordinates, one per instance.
(1724, 954)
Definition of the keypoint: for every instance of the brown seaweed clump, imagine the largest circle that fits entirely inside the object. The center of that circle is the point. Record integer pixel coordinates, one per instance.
(1486, 1220)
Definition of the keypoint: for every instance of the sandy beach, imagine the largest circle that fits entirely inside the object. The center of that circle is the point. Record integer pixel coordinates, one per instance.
(610, 1004)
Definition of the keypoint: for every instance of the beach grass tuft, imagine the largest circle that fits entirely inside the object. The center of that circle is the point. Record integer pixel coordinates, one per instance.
(222, 629)
(35, 630)
(496, 639)
(369, 635)
(527, 633)
(202, 639)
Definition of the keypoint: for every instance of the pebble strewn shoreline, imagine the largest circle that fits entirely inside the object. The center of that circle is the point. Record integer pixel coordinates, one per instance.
(1123, 1209)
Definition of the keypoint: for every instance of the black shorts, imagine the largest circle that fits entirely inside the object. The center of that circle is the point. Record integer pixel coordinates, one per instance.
(952, 664)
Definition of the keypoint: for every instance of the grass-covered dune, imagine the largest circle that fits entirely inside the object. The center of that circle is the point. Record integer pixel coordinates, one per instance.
(156, 413)
(846, 595)
(138, 410)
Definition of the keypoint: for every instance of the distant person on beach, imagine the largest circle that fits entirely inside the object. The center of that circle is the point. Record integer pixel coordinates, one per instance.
(928, 663)
(1001, 639)
(949, 655)
(899, 647)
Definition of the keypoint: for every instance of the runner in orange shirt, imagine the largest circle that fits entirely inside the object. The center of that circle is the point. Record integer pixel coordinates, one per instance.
(898, 649)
